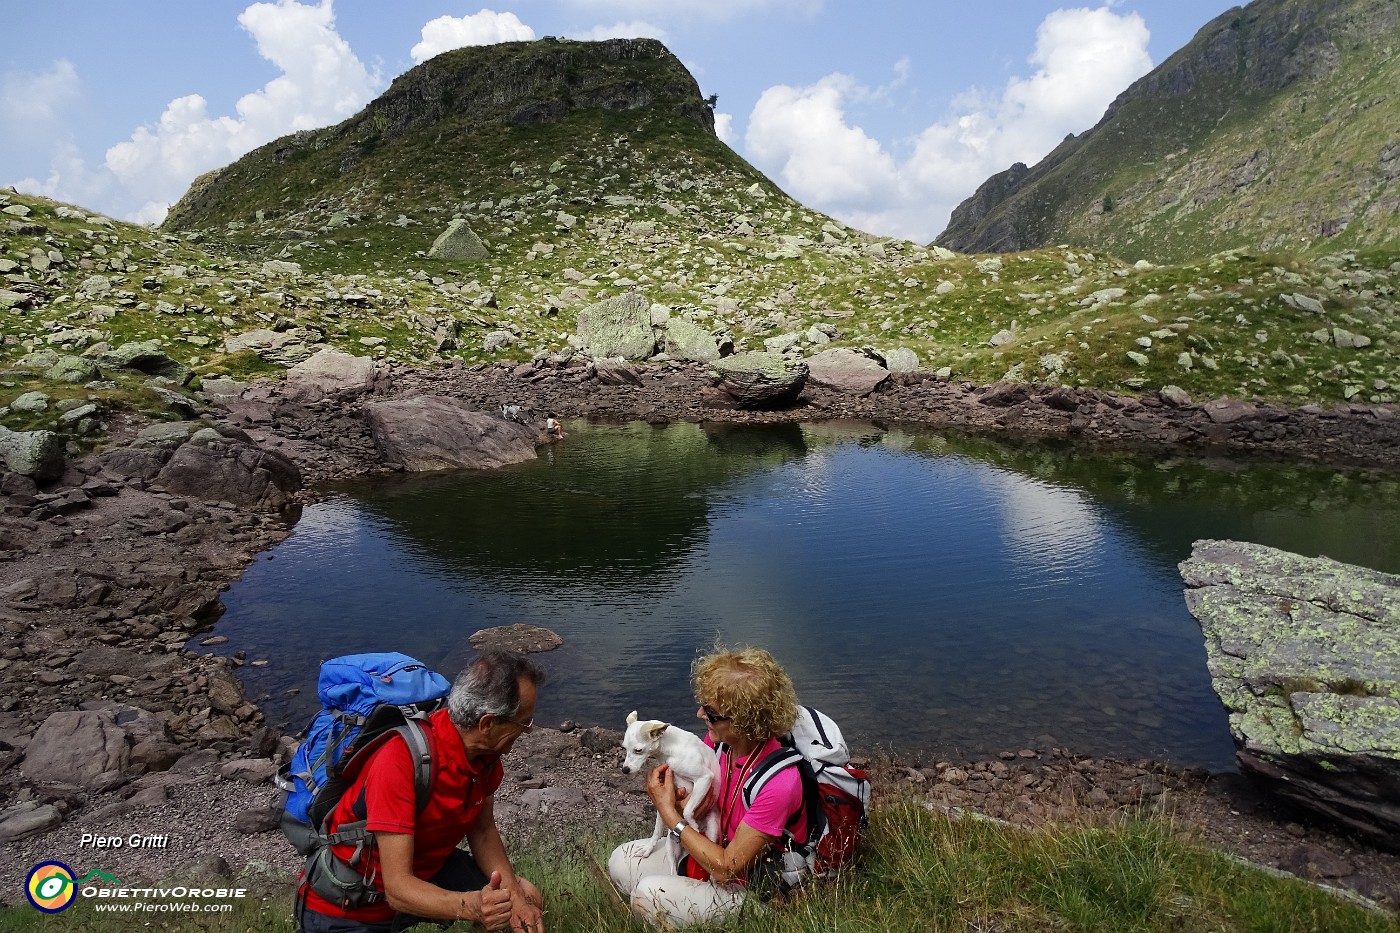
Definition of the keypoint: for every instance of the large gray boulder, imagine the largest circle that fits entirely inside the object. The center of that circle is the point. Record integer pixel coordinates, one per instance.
(84, 748)
(38, 454)
(1305, 654)
(146, 356)
(436, 433)
(331, 373)
(760, 380)
(618, 327)
(458, 241)
(76, 369)
(687, 341)
(846, 371)
(217, 467)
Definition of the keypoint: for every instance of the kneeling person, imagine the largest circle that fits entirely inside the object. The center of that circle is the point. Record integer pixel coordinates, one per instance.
(413, 858)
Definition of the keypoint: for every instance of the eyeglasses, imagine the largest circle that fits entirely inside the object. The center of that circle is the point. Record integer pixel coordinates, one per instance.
(524, 726)
(710, 715)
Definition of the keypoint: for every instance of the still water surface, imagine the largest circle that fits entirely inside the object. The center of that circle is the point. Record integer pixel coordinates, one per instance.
(933, 593)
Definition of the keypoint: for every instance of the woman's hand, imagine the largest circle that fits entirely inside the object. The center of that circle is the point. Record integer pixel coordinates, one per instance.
(661, 788)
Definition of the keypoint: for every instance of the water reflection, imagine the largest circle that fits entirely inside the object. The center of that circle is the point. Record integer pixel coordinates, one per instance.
(933, 592)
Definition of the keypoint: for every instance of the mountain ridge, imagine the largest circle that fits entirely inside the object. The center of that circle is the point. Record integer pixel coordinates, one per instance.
(1272, 129)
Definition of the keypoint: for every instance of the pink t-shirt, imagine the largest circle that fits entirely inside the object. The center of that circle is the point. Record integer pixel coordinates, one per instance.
(775, 804)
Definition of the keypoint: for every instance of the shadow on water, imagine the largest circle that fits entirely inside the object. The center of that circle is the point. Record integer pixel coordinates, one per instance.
(935, 593)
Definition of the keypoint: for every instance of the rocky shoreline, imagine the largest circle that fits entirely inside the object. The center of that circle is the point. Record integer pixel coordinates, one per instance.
(109, 571)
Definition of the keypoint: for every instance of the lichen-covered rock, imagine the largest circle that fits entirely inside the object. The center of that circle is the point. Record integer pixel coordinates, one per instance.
(74, 369)
(146, 356)
(1305, 654)
(458, 241)
(760, 380)
(687, 341)
(38, 454)
(436, 433)
(901, 360)
(618, 327)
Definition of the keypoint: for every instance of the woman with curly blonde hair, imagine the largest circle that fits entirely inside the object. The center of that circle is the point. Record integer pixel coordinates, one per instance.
(747, 700)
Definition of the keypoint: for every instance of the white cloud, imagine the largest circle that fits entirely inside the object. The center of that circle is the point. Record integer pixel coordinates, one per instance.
(321, 82)
(29, 99)
(724, 128)
(454, 32)
(635, 29)
(1083, 59)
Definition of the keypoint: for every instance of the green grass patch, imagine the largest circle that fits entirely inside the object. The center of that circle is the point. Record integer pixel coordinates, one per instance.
(922, 872)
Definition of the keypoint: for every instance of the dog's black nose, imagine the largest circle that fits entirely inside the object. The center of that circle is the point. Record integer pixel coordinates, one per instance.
(626, 770)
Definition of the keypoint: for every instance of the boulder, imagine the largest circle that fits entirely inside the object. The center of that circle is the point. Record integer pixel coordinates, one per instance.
(38, 454)
(618, 327)
(259, 340)
(901, 360)
(218, 468)
(77, 747)
(1229, 410)
(458, 241)
(146, 356)
(518, 637)
(75, 369)
(436, 433)
(760, 380)
(616, 373)
(687, 341)
(27, 819)
(1305, 654)
(331, 373)
(846, 371)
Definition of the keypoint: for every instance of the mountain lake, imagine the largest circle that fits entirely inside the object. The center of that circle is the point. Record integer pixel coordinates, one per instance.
(939, 595)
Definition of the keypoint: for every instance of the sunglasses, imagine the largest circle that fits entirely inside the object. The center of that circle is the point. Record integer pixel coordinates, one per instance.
(710, 715)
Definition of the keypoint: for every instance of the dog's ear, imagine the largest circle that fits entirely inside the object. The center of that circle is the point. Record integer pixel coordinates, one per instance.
(631, 717)
(657, 729)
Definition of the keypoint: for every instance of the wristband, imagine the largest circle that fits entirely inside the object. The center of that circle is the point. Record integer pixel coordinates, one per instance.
(678, 829)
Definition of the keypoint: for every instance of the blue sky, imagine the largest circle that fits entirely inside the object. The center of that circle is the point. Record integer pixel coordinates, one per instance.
(883, 113)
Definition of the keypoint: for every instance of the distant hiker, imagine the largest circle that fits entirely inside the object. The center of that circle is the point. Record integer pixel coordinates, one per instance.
(411, 855)
(554, 429)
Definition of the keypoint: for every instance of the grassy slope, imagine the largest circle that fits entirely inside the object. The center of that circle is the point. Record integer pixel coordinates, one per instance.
(647, 200)
(1177, 175)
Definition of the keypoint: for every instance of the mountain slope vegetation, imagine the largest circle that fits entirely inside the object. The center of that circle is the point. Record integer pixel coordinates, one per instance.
(1274, 129)
(591, 170)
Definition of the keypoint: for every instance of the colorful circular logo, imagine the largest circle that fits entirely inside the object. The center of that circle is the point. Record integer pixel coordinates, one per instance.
(50, 887)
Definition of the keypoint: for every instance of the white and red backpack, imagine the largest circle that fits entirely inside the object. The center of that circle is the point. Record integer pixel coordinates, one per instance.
(835, 795)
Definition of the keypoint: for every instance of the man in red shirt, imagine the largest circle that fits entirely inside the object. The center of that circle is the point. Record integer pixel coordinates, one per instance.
(413, 857)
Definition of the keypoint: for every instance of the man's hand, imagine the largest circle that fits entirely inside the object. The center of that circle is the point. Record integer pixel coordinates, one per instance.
(495, 904)
(527, 915)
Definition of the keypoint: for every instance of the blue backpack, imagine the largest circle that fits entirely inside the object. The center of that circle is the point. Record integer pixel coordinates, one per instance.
(366, 700)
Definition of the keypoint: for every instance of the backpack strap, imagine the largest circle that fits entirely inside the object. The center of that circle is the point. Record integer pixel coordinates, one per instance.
(817, 724)
(811, 794)
(414, 733)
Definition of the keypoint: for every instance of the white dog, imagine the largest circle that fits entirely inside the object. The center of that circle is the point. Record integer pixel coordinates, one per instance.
(695, 765)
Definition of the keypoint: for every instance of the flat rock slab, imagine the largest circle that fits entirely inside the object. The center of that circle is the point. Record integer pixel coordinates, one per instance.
(430, 432)
(846, 371)
(519, 637)
(1305, 654)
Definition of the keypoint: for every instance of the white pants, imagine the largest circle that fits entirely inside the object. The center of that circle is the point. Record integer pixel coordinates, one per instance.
(661, 897)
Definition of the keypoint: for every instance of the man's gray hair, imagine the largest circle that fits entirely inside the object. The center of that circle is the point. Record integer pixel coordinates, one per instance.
(490, 686)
